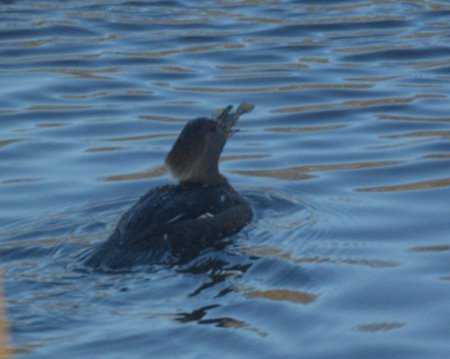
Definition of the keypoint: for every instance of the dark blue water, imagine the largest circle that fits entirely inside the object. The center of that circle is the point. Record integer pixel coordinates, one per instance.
(345, 161)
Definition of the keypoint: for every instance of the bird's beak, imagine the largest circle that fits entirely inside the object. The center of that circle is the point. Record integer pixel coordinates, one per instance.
(227, 119)
(224, 119)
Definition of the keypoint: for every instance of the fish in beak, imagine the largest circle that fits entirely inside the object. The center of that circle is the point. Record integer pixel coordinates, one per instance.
(227, 120)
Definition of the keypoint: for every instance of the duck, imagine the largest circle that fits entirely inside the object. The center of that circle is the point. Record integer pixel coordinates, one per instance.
(175, 222)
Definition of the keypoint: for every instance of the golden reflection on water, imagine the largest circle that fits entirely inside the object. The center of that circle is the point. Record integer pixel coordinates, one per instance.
(286, 88)
(243, 157)
(284, 295)
(379, 327)
(181, 102)
(317, 60)
(262, 67)
(162, 53)
(420, 134)
(242, 2)
(413, 119)
(152, 173)
(57, 108)
(250, 75)
(5, 143)
(106, 149)
(234, 323)
(372, 48)
(431, 184)
(398, 145)
(35, 43)
(176, 69)
(50, 125)
(84, 73)
(431, 64)
(222, 322)
(136, 138)
(427, 34)
(305, 129)
(301, 172)
(438, 156)
(47, 41)
(276, 252)
(88, 96)
(353, 19)
(372, 79)
(331, 8)
(22, 180)
(355, 104)
(110, 37)
(43, 23)
(28, 243)
(290, 174)
(162, 118)
(261, 20)
(434, 248)
(5, 345)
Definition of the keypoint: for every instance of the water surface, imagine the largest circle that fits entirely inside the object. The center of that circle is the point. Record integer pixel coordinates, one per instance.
(345, 161)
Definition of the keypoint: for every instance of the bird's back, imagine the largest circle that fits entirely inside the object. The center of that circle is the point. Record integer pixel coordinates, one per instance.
(172, 221)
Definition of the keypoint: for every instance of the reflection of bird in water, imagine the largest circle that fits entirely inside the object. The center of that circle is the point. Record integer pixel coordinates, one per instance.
(176, 221)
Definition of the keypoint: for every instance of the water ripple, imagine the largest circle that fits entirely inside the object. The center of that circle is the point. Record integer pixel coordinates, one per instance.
(345, 162)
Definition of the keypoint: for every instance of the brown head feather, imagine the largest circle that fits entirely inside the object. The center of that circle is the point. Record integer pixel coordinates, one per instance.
(195, 154)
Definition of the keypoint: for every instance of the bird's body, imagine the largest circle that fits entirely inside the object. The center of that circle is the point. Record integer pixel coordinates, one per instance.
(173, 221)
(177, 221)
